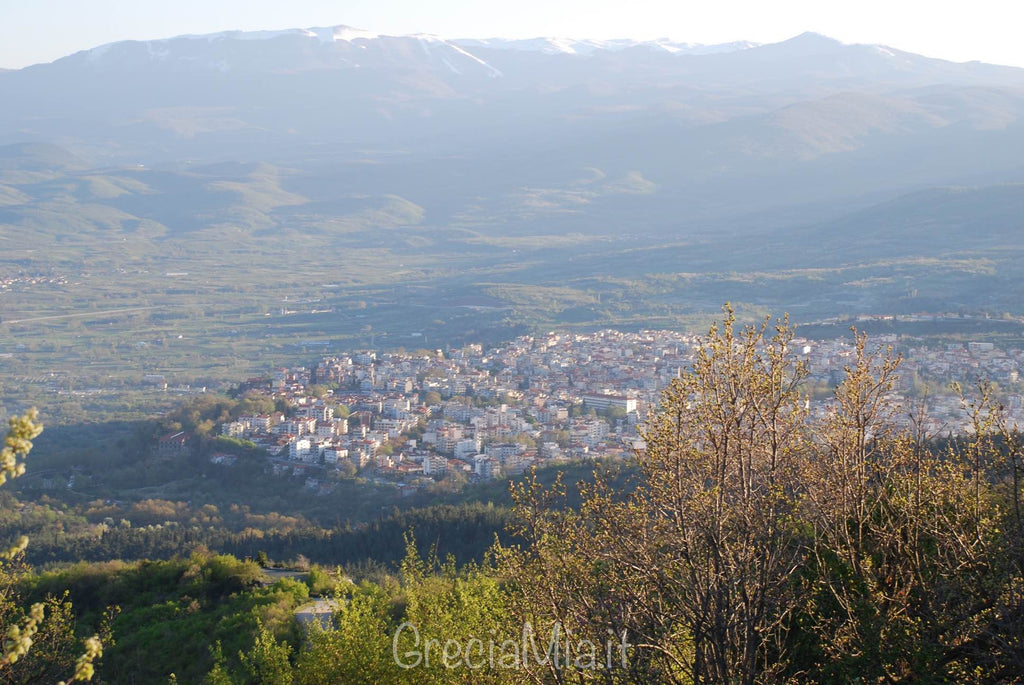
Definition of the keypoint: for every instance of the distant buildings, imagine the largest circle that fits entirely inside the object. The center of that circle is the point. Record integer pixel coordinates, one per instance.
(535, 400)
(173, 445)
(604, 402)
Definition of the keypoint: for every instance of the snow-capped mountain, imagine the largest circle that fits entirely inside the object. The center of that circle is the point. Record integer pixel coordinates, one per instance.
(345, 47)
(365, 39)
(234, 93)
(431, 58)
(336, 47)
(570, 46)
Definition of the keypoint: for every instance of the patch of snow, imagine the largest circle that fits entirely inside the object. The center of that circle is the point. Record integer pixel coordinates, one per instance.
(325, 34)
(251, 35)
(549, 46)
(349, 34)
(491, 70)
(584, 48)
(668, 47)
(560, 45)
(698, 49)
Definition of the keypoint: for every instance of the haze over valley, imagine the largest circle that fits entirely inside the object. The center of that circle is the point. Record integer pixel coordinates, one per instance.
(244, 192)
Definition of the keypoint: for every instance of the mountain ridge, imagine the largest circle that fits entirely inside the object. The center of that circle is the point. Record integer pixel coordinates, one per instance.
(345, 33)
(806, 43)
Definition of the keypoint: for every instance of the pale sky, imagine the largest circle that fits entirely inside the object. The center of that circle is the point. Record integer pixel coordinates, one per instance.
(33, 31)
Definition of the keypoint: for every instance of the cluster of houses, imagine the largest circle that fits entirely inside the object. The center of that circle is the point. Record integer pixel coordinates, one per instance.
(966, 364)
(22, 280)
(408, 417)
(923, 391)
(415, 417)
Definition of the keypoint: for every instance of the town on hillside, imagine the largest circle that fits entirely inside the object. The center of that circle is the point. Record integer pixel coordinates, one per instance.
(412, 419)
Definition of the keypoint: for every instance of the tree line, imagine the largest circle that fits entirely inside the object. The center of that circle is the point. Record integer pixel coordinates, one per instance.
(464, 532)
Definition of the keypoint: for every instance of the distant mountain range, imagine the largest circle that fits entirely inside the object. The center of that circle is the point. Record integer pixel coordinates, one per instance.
(750, 155)
(223, 93)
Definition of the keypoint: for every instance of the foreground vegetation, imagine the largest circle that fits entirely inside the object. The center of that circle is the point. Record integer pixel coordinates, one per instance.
(749, 543)
(766, 546)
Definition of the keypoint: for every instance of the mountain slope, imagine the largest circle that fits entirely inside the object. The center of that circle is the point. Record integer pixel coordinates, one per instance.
(227, 92)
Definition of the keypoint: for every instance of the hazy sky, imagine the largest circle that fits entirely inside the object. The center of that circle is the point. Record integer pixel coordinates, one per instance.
(34, 31)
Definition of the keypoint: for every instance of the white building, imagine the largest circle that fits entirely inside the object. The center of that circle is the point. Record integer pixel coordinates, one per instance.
(466, 447)
(299, 449)
(600, 402)
(332, 455)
